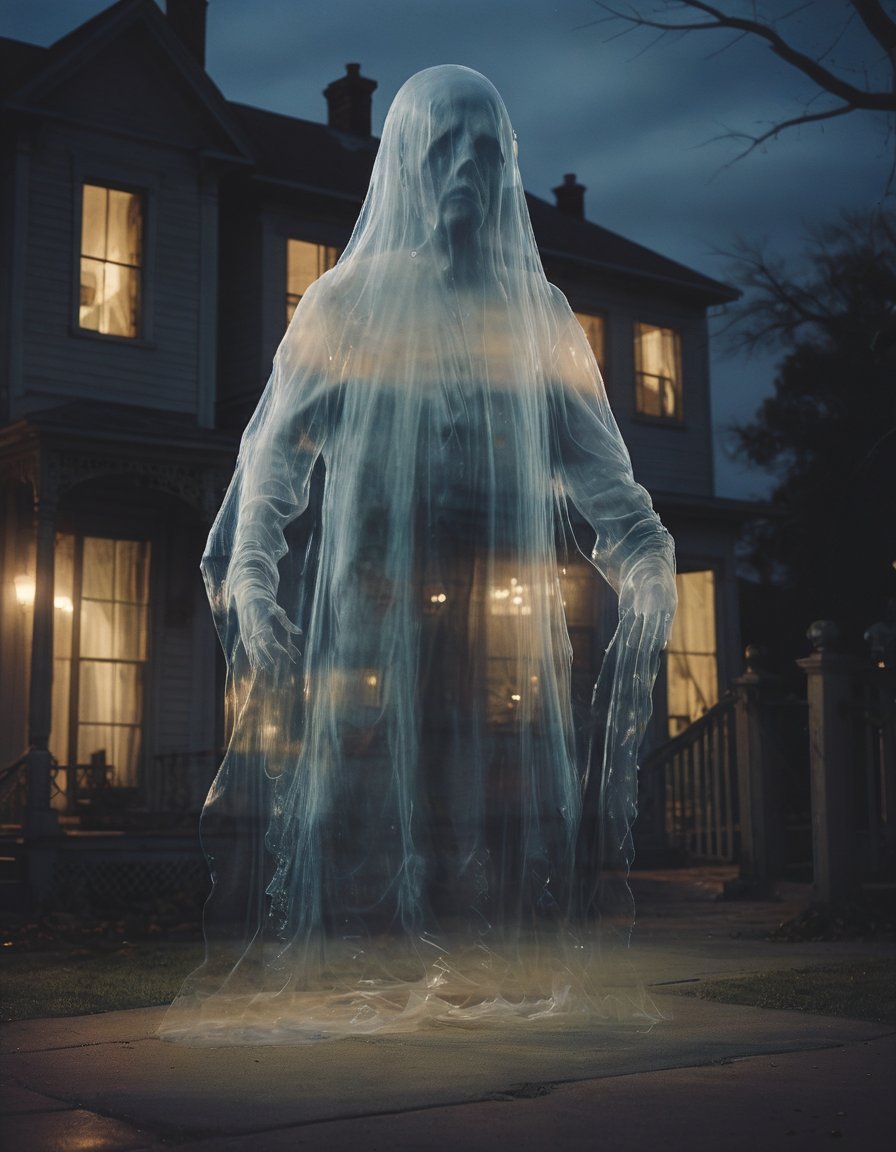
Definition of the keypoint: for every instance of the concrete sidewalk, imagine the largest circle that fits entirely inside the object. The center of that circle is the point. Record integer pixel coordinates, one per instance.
(711, 1076)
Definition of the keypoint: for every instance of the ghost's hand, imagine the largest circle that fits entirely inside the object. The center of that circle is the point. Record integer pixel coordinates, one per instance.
(266, 632)
(648, 592)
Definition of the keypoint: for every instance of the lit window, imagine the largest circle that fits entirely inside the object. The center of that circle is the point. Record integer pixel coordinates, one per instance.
(519, 599)
(304, 263)
(111, 256)
(692, 666)
(658, 372)
(100, 650)
(594, 330)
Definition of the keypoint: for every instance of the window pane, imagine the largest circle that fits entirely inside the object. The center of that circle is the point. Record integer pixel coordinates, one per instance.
(124, 227)
(90, 306)
(98, 568)
(111, 258)
(692, 673)
(96, 688)
(132, 571)
(301, 266)
(110, 693)
(594, 330)
(658, 386)
(96, 629)
(130, 632)
(649, 396)
(62, 627)
(128, 693)
(121, 301)
(93, 221)
(304, 263)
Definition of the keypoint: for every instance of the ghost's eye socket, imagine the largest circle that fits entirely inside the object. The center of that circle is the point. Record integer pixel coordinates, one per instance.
(487, 150)
(439, 151)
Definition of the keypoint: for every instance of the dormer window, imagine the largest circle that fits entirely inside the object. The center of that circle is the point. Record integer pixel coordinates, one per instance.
(658, 387)
(111, 261)
(305, 262)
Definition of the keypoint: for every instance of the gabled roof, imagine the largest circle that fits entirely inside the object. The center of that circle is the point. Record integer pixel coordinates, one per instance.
(18, 61)
(306, 155)
(312, 157)
(561, 236)
(37, 71)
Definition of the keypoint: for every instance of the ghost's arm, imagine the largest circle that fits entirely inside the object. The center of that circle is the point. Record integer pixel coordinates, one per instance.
(632, 549)
(274, 490)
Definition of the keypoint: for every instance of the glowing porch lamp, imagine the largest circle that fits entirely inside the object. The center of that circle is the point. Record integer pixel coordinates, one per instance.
(25, 595)
(24, 590)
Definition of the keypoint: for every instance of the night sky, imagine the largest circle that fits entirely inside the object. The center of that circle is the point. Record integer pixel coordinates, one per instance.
(642, 124)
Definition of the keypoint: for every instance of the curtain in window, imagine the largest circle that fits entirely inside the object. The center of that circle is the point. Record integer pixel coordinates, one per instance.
(657, 356)
(100, 652)
(692, 662)
(111, 243)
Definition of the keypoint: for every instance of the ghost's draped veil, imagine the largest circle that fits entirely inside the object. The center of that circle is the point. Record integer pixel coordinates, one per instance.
(412, 820)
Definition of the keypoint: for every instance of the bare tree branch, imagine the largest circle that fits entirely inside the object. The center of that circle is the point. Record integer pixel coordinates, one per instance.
(758, 141)
(710, 17)
(879, 24)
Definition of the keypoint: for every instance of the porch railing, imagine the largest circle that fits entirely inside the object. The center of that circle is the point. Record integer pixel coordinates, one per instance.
(14, 791)
(688, 788)
(179, 781)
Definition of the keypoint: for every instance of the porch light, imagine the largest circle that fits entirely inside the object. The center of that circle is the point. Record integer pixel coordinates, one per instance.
(24, 590)
(25, 595)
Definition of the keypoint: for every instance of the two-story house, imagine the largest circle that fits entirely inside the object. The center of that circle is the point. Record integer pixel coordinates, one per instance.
(154, 238)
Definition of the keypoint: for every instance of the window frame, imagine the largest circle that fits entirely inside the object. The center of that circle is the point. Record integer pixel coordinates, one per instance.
(676, 419)
(601, 316)
(323, 248)
(144, 185)
(690, 566)
(75, 658)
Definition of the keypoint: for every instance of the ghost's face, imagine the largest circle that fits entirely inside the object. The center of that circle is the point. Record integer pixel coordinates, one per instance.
(465, 164)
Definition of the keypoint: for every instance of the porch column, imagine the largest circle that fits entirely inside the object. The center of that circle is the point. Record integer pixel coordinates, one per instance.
(757, 781)
(828, 676)
(40, 819)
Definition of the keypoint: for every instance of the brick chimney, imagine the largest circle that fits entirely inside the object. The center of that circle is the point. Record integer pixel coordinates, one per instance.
(349, 102)
(571, 196)
(187, 18)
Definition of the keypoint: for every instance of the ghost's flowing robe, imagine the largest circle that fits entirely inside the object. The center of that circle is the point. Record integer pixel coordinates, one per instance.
(407, 822)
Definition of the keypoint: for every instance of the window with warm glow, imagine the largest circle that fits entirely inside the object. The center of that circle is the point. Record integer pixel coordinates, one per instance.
(594, 330)
(111, 259)
(305, 262)
(100, 652)
(513, 599)
(691, 657)
(658, 385)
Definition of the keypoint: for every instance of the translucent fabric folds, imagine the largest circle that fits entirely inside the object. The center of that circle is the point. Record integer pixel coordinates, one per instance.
(409, 823)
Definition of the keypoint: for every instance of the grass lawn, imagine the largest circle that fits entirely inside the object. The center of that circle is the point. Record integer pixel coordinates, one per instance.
(859, 989)
(84, 980)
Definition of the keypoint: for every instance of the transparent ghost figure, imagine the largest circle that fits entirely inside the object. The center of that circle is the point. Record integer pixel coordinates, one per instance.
(413, 822)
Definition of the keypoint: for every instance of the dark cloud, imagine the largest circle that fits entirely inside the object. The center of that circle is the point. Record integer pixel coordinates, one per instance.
(643, 127)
